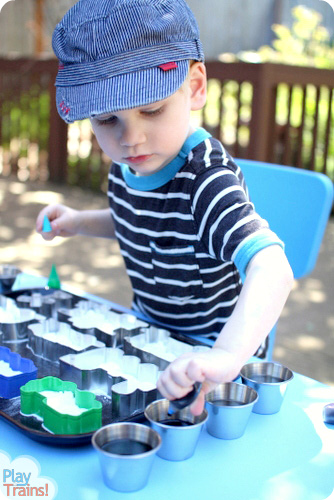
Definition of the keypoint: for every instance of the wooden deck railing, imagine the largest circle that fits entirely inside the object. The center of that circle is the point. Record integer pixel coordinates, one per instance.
(275, 113)
(33, 139)
(291, 119)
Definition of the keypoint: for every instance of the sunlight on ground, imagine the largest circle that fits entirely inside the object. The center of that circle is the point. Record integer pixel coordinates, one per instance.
(317, 296)
(311, 291)
(16, 188)
(280, 352)
(309, 343)
(41, 197)
(305, 343)
(7, 233)
(30, 249)
(35, 239)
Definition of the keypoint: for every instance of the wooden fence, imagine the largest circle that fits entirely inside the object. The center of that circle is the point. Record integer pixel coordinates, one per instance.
(275, 113)
(33, 139)
(290, 116)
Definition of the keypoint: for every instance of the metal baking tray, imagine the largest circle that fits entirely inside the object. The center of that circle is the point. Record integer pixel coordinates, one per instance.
(30, 426)
(130, 402)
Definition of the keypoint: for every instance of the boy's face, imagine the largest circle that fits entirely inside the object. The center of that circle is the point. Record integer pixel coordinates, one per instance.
(147, 138)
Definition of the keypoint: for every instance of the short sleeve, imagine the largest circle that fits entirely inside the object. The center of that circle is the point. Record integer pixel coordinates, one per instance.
(227, 223)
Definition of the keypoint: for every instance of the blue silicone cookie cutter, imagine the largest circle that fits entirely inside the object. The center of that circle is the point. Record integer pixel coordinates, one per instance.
(10, 386)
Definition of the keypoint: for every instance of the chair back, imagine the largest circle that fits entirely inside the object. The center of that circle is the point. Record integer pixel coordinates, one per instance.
(296, 203)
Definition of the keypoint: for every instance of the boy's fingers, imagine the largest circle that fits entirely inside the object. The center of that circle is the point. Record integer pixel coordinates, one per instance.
(48, 236)
(196, 369)
(198, 405)
(48, 212)
(178, 374)
(39, 222)
(170, 390)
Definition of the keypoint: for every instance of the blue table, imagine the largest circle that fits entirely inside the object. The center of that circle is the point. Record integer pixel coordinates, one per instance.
(286, 456)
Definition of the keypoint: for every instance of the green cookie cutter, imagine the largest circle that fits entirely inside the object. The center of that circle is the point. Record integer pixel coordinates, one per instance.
(32, 402)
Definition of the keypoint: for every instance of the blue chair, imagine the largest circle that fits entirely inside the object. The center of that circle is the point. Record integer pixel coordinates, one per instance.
(297, 204)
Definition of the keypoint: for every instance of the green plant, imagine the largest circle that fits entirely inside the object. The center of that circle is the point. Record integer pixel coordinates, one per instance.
(307, 43)
(304, 113)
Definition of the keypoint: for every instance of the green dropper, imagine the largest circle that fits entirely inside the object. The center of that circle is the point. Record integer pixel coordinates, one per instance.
(54, 281)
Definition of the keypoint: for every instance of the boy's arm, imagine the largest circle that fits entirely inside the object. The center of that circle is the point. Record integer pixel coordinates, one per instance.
(267, 285)
(266, 288)
(66, 221)
(97, 223)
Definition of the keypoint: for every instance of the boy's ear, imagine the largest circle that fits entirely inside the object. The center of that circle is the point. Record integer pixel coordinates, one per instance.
(197, 82)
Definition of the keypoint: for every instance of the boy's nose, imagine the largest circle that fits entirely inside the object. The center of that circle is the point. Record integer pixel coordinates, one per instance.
(132, 135)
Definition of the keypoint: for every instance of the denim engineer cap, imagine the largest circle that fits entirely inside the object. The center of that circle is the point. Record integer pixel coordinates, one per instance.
(120, 54)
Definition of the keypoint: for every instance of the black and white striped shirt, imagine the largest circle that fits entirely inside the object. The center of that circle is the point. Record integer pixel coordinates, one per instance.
(187, 233)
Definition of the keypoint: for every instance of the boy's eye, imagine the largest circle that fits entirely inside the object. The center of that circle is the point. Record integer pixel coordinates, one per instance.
(111, 120)
(153, 112)
(106, 121)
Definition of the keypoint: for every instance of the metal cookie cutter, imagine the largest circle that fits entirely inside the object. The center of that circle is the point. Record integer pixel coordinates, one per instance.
(52, 339)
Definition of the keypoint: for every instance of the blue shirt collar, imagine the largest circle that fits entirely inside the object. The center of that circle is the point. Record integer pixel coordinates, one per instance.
(158, 179)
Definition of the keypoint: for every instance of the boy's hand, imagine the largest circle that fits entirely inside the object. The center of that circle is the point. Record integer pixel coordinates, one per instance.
(64, 221)
(211, 368)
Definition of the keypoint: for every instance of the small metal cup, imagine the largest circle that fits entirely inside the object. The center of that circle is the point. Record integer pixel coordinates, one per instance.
(270, 380)
(126, 472)
(178, 443)
(8, 274)
(229, 407)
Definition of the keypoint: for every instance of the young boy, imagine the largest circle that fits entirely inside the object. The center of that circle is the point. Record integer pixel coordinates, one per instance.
(178, 202)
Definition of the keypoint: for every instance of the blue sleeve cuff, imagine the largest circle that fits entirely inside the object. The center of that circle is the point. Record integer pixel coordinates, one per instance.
(252, 246)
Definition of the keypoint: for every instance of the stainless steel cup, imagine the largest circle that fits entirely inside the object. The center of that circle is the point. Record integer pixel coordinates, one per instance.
(270, 380)
(178, 442)
(8, 274)
(120, 471)
(229, 407)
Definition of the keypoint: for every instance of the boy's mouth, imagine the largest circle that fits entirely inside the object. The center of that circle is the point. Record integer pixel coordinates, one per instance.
(137, 159)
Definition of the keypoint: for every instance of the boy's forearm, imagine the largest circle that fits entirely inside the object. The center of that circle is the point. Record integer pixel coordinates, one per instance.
(266, 288)
(97, 223)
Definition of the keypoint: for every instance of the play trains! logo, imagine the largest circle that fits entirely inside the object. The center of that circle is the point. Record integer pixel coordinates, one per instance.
(21, 478)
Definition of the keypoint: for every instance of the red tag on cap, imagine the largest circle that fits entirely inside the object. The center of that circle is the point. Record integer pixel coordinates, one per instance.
(168, 66)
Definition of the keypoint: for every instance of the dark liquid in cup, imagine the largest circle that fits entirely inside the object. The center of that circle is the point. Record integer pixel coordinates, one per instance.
(175, 422)
(126, 447)
(227, 402)
(269, 379)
